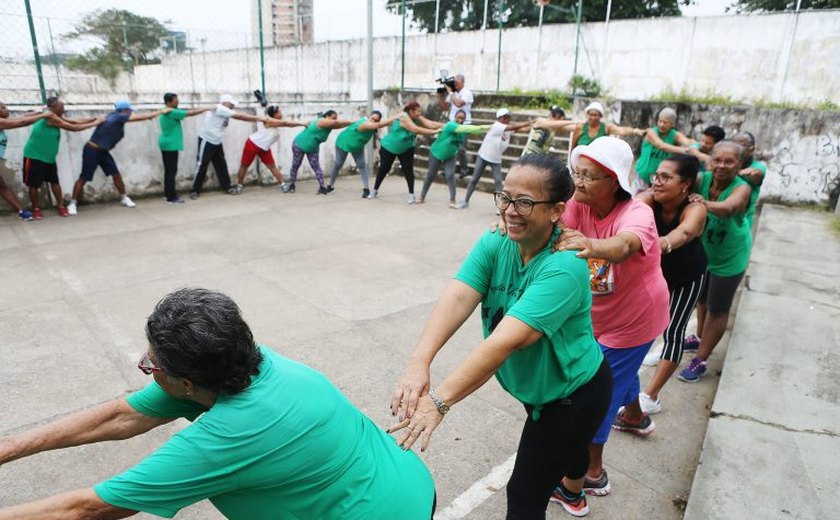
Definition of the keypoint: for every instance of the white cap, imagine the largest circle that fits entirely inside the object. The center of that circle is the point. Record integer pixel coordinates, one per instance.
(598, 107)
(611, 154)
(227, 98)
(502, 112)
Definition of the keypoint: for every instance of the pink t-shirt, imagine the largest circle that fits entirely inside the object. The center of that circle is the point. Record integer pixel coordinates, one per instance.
(630, 299)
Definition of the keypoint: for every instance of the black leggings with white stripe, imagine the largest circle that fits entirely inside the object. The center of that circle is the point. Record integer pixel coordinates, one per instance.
(683, 300)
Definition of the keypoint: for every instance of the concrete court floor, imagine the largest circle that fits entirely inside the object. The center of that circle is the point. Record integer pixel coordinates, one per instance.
(337, 282)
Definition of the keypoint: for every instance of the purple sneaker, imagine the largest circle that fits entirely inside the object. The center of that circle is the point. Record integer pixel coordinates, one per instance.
(693, 372)
(691, 342)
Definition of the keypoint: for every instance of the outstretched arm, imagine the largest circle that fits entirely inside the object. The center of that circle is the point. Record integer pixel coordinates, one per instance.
(652, 138)
(455, 305)
(624, 130)
(515, 127)
(135, 117)
(428, 123)
(272, 122)
(372, 125)
(195, 111)
(472, 129)
(113, 420)
(17, 122)
(734, 204)
(60, 122)
(239, 116)
(409, 125)
(80, 504)
(557, 126)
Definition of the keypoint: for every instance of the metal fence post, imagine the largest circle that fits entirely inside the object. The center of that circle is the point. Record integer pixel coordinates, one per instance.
(35, 52)
(499, 61)
(262, 47)
(402, 76)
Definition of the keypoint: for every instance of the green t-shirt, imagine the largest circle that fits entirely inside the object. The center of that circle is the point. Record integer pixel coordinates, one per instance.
(42, 144)
(352, 139)
(584, 134)
(754, 191)
(550, 294)
(399, 140)
(726, 240)
(651, 156)
(290, 446)
(171, 136)
(312, 136)
(539, 141)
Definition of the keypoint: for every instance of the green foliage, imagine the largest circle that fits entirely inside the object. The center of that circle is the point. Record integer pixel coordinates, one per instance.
(741, 6)
(580, 85)
(127, 40)
(828, 105)
(540, 99)
(835, 226)
(468, 15)
(685, 96)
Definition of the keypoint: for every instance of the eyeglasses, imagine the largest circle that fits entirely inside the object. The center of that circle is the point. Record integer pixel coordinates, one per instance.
(523, 206)
(662, 178)
(146, 366)
(587, 177)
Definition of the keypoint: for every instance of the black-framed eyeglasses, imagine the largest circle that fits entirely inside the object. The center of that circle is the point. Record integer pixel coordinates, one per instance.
(146, 366)
(587, 177)
(662, 178)
(523, 205)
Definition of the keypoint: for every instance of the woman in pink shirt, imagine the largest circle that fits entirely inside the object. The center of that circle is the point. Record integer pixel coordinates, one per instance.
(617, 235)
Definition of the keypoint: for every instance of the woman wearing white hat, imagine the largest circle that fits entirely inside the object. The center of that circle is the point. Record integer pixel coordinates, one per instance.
(618, 237)
(594, 128)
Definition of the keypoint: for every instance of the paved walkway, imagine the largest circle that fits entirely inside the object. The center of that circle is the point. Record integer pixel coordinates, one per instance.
(337, 282)
(773, 443)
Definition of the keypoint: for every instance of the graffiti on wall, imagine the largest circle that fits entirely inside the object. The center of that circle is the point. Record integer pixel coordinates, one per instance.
(808, 168)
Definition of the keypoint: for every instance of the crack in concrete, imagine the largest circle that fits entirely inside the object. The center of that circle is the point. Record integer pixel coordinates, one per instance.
(777, 426)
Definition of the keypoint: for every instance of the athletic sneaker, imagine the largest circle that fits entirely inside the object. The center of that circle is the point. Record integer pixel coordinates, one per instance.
(365, 193)
(649, 406)
(62, 211)
(599, 487)
(71, 208)
(322, 191)
(127, 202)
(284, 187)
(330, 188)
(238, 189)
(25, 214)
(194, 195)
(36, 214)
(462, 205)
(575, 507)
(374, 194)
(644, 427)
(176, 200)
(691, 342)
(412, 199)
(232, 191)
(693, 372)
(291, 188)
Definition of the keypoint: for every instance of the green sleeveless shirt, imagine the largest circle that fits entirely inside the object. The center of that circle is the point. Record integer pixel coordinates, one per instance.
(651, 156)
(399, 140)
(312, 136)
(353, 140)
(727, 240)
(584, 134)
(42, 144)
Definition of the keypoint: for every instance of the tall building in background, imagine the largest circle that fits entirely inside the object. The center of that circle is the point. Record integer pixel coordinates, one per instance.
(285, 22)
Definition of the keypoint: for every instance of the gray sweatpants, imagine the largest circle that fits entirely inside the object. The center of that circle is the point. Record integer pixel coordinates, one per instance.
(448, 171)
(359, 157)
(480, 163)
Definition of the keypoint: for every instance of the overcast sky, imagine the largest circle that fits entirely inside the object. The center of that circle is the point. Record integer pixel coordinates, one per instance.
(334, 19)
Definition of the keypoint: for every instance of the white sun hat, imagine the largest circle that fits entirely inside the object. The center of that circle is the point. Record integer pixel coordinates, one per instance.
(502, 112)
(598, 107)
(611, 154)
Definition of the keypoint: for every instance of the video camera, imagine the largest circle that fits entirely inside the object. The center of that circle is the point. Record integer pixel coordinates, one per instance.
(445, 80)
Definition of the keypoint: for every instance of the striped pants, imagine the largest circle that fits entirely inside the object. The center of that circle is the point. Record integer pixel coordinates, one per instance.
(683, 300)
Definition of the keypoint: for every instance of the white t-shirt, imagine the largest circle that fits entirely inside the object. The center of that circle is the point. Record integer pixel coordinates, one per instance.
(265, 138)
(467, 97)
(215, 121)
(495, 143)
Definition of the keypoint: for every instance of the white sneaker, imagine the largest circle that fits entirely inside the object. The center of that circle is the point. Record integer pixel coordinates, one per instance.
(71, 208)
(652, 357)
(649, 406)
(411, 198)
(373, 194)
(462, 205)
(127, 202)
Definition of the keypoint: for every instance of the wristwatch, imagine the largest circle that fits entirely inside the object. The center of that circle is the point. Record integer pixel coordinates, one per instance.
(441, 406)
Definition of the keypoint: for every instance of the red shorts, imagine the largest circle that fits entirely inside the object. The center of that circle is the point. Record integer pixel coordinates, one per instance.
(251, 150)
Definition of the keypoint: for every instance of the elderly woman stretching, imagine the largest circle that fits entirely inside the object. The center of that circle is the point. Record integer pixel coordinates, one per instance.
(618, 237)
(270, 438)
(538, 341)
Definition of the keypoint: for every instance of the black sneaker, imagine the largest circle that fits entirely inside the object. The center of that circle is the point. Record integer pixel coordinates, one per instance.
(644, 427)
(330, 189)
(365, 193)
(291, 188)
(599, 487)
(322, 191)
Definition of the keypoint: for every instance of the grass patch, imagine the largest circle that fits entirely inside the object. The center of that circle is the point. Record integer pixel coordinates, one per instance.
(835, 225)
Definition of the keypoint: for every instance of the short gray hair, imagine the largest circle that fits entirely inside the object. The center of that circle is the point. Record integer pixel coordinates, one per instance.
(668, 113)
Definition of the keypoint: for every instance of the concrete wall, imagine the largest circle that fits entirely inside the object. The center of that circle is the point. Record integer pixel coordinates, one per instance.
(771, 57)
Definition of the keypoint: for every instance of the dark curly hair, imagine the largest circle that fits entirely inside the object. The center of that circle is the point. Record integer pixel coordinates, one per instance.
(200, 335)
(559, 183)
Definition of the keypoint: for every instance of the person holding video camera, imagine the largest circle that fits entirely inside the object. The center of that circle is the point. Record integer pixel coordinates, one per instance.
(457, 97)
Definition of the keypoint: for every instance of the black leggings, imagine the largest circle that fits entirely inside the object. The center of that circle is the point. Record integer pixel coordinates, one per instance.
(683, 300)
(556, 446)
(386, 160)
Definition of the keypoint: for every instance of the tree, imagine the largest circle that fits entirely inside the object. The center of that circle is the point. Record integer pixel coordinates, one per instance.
(468, 15)
(127, 40)
(781, 5)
